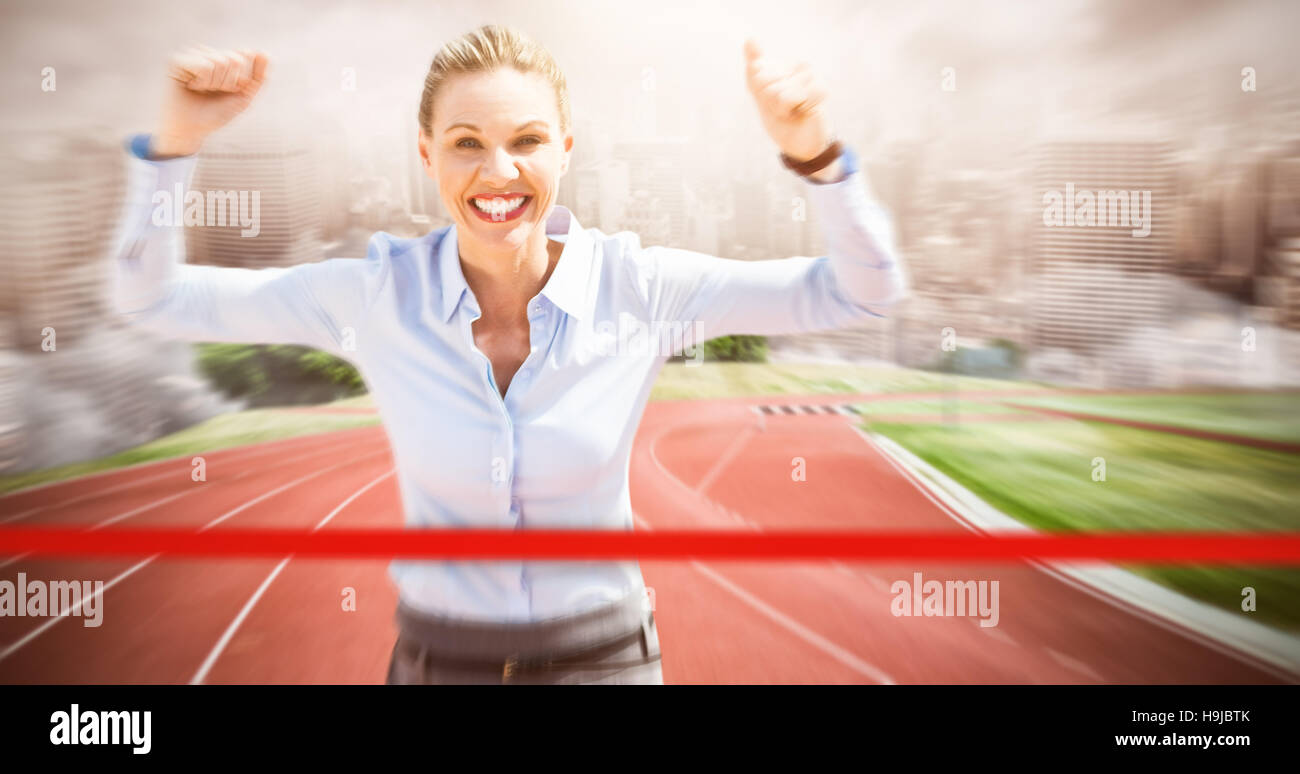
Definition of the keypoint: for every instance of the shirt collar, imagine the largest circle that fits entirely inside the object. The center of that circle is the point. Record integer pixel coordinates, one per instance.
(570, 287)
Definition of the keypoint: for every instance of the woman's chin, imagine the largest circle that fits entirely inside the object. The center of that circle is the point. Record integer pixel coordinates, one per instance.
(512, 233)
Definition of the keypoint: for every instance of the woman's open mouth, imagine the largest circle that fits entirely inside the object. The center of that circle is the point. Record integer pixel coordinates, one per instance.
(499, 208)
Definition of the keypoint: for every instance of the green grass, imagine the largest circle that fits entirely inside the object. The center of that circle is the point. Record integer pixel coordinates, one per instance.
(938, 408)
(226, 430)
(1154, 481)
(1271, 415)
(711, 380)
(679, 381)
(359, 401)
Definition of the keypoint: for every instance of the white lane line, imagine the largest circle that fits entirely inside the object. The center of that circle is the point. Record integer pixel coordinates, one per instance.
(995, 633)
(280, 489)
(110, 520)
(253, 448)
(804, 633)
(859, 575)
(236, 477)
(38, 631)
(134, 511)
(229, 634)
(88, 496)
(1075, 664)
(169, 498)
(794, 626)
(348, 501)
(918, 487)
(8, 651)
(134, 482)
(880, 584)
(799, 630)
(1184, 629)
(725, 459)
(739, 519)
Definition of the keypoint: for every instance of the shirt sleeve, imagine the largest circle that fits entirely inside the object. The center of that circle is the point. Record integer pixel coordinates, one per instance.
(860, 278)
(321, 305)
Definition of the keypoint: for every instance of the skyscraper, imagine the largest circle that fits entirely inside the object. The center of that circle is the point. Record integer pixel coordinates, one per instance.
(57, 216)
(1103, 252)
(600, 195)
(275, 172)
(75, 382)
(658, 169)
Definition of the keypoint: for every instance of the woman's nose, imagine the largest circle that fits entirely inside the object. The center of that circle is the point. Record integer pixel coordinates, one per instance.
(500, 167)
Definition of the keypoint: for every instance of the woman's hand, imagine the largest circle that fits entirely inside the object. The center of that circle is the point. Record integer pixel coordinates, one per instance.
(790, 103)
(207, 89)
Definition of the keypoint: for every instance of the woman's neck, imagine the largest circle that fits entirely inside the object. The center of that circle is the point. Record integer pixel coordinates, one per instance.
(503, 281)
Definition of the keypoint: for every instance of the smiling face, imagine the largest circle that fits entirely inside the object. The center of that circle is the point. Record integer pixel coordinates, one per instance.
(497, 153)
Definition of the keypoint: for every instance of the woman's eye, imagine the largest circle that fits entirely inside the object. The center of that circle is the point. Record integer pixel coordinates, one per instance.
(469, 142)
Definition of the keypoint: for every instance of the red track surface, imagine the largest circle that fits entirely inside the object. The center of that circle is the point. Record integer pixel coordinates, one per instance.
(698, 463)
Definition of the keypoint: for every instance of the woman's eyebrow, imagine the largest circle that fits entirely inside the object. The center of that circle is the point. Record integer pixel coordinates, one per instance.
(474, 128)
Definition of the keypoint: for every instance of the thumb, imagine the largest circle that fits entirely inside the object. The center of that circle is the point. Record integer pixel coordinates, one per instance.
(752, 50)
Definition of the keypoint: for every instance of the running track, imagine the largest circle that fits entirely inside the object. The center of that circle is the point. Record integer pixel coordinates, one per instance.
(695, 464)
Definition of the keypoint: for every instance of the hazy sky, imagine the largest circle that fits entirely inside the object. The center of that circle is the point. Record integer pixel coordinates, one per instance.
(1016, 63)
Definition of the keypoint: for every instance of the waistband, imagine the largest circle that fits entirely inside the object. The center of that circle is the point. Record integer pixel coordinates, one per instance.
(475, 641)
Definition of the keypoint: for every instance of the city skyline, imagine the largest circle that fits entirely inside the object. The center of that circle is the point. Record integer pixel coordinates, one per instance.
(960, 139)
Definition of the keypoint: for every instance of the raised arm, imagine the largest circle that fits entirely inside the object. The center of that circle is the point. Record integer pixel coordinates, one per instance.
(318, 304)
(860, 277)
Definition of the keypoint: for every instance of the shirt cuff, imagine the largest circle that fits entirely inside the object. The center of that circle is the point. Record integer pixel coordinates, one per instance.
(849, 161)
(850, 208)
(849, 165)
(138, 144)
(149, 179)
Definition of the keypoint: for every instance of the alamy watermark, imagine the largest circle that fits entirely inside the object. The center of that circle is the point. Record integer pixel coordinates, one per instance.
(211, 208)
(950, 598)
(39, 599)
(630, 336)
(1130, 209)
(78, 726)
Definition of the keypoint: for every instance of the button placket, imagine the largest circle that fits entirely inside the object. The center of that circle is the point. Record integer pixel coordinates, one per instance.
(503, 446)
(536, 331)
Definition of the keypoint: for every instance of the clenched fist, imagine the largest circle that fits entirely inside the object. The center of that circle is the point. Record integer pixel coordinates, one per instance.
(790, 103)
(207, 89)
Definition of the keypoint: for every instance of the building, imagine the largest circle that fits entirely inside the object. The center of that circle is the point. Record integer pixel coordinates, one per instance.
(75, 382)
(277, 174)
(656, 171)
(58, 213)
(1099, 273)
(600, 195)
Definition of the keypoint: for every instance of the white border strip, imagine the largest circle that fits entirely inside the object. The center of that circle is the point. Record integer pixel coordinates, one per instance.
(1276, 651)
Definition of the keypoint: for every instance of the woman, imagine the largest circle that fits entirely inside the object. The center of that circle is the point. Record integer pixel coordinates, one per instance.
(498, 349)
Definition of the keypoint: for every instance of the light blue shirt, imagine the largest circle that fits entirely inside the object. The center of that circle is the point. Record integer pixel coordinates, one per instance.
(554, 452)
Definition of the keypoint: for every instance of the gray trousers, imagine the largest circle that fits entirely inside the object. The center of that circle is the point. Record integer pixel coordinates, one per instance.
(616, 644)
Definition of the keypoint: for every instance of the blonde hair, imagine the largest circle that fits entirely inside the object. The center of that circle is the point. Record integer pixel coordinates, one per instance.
(486, 49)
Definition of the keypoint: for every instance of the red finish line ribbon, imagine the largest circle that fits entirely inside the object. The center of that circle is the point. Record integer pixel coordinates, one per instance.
(1253, 548)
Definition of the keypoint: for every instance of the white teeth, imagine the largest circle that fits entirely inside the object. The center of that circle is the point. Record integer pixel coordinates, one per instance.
(499, 205)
